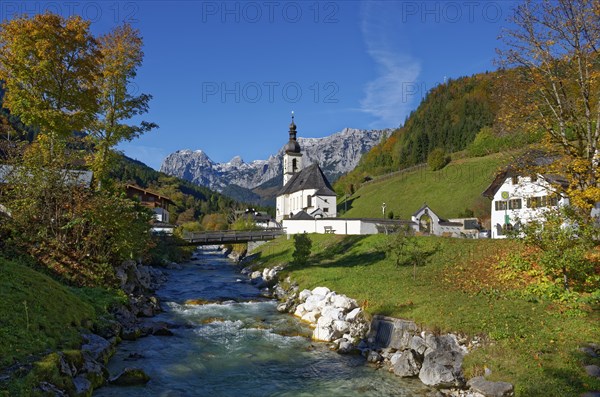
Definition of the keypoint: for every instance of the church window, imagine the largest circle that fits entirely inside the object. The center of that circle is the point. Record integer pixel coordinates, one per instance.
(294, 165)
(309, 201)
(325, 209)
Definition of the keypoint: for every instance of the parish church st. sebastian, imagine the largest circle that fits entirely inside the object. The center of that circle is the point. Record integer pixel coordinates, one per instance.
(306, 192)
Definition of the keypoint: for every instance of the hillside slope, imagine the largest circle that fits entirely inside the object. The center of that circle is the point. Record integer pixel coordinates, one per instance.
(449, 191)
(451, 116)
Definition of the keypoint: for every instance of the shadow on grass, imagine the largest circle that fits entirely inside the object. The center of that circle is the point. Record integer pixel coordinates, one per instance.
(338, 249)
(336, 256)
(346, 205)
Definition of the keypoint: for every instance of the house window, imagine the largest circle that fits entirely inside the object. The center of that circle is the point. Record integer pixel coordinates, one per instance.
(500, 205)
(515, 204)
(534, 202)
(533, 178)
(515, 180)
(549, 201)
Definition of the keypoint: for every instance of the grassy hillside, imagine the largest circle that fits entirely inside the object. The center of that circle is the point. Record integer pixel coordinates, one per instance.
(449, 191)
(37, 313)
(464, 113)
(466, 288)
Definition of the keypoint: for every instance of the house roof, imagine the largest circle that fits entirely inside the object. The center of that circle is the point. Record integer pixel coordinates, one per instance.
(148, 192)
(501, 177)
(532, 160)
(71, 177)
(311, 177)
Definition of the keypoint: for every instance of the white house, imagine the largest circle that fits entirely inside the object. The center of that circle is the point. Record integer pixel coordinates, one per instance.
(306, 192)
(518, 199)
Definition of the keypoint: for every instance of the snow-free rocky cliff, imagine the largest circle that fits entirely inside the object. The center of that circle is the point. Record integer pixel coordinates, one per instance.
(336, 154)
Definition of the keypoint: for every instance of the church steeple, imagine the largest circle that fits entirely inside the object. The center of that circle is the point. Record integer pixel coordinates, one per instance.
(292, 158)
(292, 146)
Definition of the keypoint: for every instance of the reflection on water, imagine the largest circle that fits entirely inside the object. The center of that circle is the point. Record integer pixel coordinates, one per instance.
(240, 347)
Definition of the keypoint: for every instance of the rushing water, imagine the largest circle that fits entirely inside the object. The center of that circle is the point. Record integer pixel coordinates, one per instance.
(240, 346)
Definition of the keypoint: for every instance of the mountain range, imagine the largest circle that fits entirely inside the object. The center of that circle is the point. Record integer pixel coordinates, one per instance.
(336, 154)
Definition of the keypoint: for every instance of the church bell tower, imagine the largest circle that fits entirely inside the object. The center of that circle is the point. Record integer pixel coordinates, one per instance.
(292, 158)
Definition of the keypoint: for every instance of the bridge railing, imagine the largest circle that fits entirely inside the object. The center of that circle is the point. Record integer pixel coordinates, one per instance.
(233, 235)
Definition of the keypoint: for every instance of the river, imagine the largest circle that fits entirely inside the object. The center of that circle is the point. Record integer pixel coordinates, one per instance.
(240, 346)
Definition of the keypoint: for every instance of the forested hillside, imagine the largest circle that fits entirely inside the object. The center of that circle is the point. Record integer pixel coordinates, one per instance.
(460, 114)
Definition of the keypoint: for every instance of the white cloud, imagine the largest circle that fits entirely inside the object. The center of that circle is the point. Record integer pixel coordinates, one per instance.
(394, 93)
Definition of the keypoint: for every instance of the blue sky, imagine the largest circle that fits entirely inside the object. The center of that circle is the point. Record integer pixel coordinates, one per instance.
(226, 75)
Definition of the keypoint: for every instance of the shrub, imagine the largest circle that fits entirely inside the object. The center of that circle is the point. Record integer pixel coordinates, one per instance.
(302, 249)
(437, 159)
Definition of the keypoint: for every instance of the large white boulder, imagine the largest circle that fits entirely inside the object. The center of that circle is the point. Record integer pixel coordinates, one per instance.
(341, 326)
(324, 334)
(324, 322)
(305, 293)
(300, 310)
(312, 302)
(321, 291)
(343, 302)
(334, 313)
(353, 315)
(311, 316)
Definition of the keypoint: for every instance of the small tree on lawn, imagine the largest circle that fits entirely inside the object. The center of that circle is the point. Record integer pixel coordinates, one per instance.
(302, 249)
(406, 249)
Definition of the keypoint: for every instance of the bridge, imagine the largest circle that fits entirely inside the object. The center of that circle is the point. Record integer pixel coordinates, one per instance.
(231, 236)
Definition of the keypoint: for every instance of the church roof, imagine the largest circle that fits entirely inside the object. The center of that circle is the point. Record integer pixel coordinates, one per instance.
(302, 216)
(311, 177)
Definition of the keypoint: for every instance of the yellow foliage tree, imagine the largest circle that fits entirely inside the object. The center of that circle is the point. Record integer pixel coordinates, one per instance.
(121, 55)
(49, 66)
(555, 46)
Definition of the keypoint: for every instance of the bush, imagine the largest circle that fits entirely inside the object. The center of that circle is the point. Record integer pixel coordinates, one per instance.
(302, 249)
(77, 234)
(487, 142)
(437, 159)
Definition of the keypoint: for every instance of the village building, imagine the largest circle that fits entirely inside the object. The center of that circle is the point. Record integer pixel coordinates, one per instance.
(427, 222)
(306, 193)
(157, 203)
(518, 199)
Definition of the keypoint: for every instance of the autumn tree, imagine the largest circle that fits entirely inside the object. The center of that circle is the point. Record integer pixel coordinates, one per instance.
(554, 46)
(49, 66)
(121, 55)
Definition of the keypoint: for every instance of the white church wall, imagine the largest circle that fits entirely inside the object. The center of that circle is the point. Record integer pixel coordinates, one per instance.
(329, 225)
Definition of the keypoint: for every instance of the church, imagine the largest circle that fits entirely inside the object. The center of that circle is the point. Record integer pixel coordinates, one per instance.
(306, 193)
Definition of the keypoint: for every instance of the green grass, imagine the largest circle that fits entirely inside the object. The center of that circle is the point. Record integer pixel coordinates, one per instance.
(532, 344)
(448, 191)
(40, 316)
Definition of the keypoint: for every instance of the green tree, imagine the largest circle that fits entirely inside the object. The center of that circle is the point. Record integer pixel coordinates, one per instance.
(302, 249)
(49, 65)
(121, 55)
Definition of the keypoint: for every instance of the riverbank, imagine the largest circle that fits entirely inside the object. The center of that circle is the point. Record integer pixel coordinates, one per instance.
(57, 339)
(532, 343)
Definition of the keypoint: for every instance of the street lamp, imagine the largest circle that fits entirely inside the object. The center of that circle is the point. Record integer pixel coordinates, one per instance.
(383, 209)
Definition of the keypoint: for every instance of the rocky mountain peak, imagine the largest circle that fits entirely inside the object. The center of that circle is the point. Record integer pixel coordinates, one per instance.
(337, 154)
